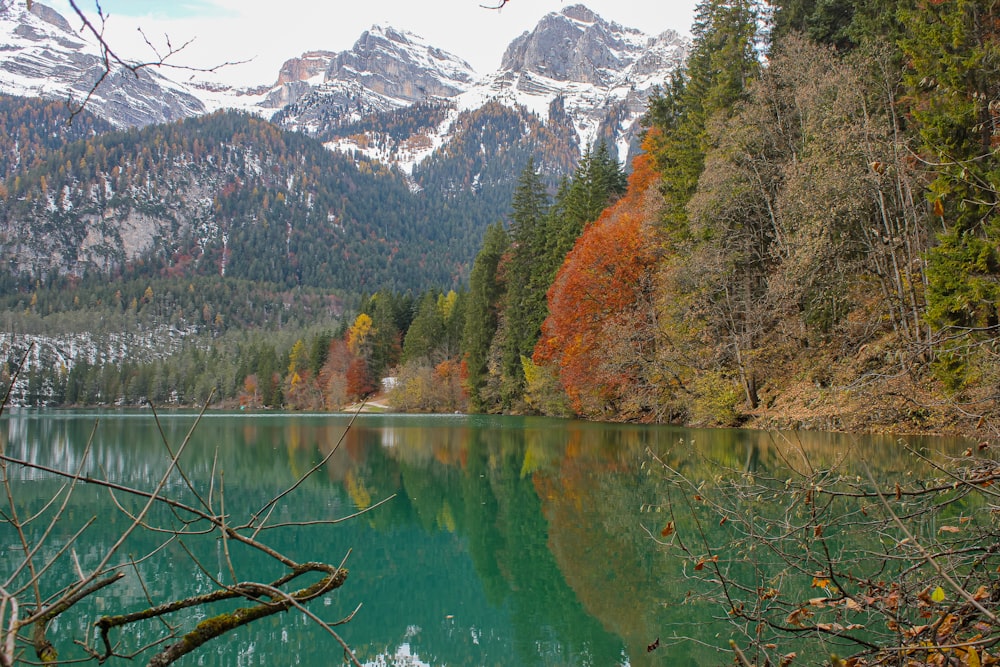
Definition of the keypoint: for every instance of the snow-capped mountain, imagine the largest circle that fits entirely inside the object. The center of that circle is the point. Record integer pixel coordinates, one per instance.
(386, 69)
(574, 68)
(598, 74)
(42, 56)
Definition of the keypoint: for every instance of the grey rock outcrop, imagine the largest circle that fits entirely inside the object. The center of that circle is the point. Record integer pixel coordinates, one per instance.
(572, 45)
(401, 66)
(385, 69)
(44, 57)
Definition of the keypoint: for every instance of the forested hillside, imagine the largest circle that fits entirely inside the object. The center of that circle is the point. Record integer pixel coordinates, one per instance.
(810, 239)
(229, 195)
(30, 127)
(131, 254)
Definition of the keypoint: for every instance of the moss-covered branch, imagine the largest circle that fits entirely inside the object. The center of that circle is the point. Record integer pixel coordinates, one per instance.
(218, 625)
(44, 649)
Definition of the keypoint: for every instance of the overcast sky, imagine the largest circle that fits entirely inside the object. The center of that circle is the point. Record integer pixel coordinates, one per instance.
(268, 32)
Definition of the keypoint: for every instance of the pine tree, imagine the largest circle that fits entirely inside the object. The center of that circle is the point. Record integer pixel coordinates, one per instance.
(486, 292)
(951, 53)
(525, 304)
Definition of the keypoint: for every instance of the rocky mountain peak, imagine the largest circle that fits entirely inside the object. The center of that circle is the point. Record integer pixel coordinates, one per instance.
(306, 66)
(43, 12)
(580, 13)
(401, 65)
(44, 57)
(50, 15)
(386, 69)
(574, 45)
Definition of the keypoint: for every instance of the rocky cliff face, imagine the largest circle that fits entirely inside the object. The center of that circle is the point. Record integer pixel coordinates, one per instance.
(402, 66)
(43, 57)
(600, 72)
(305, 67)
(573, 45)
(386, 69)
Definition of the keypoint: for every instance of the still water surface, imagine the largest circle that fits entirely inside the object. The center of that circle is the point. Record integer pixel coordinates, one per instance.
(509, 542)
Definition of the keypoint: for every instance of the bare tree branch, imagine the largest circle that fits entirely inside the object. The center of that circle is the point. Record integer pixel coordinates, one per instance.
(267, 599)
(112, 59)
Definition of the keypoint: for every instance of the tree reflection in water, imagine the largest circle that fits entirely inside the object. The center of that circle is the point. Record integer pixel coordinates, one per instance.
(512, 541)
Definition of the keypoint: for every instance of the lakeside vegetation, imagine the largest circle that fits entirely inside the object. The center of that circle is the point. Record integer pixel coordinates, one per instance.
(810, 238)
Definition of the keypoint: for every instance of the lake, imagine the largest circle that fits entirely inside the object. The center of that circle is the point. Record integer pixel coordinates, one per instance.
(507, 541)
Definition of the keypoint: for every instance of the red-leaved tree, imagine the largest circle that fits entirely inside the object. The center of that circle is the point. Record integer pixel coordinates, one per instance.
(604, 289)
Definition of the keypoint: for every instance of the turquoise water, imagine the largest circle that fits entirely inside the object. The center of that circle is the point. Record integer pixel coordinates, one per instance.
(504, 541)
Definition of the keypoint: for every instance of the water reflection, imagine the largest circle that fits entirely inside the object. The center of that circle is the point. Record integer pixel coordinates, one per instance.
(510, 541)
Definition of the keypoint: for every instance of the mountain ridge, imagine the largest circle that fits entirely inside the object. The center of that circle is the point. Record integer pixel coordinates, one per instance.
(33, 66)
(437, 157)
(603, 71)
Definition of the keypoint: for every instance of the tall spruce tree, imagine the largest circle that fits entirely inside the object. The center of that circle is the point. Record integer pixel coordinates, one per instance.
(723, 59)
(525, 304)
(597, 181)
(952, 52)
(486, 293)
(385, 342)
(452, 308)
(427, 330)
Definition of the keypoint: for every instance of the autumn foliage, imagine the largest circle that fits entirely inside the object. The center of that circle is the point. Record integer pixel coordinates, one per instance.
(602, 286)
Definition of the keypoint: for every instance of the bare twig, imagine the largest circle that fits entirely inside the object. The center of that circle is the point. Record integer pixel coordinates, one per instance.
(111, 59)
(201, 518)
(931, 560)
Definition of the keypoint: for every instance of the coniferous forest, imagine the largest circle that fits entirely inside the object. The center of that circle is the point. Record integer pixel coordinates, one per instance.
(810, 238)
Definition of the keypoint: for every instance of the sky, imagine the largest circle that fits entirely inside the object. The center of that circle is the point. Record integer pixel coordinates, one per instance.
(265, 33)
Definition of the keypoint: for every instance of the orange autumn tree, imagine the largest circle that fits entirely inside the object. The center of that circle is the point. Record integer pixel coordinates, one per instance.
(599, 337)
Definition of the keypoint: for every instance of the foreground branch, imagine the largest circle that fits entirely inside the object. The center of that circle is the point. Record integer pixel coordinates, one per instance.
(265, 599)
(218, 625)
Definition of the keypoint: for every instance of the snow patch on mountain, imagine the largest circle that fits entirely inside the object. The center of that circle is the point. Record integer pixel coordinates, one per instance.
(41, 56)
(596, 75)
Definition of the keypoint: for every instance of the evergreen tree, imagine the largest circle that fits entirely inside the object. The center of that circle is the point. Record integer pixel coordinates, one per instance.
(951, 53)
(268, 376)
(385, 338)
(597, 182)
(525, 305)
(823, 21)
(319, 349)
(486, 292)
(427, 330)
(723, 59)
(452, 307)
